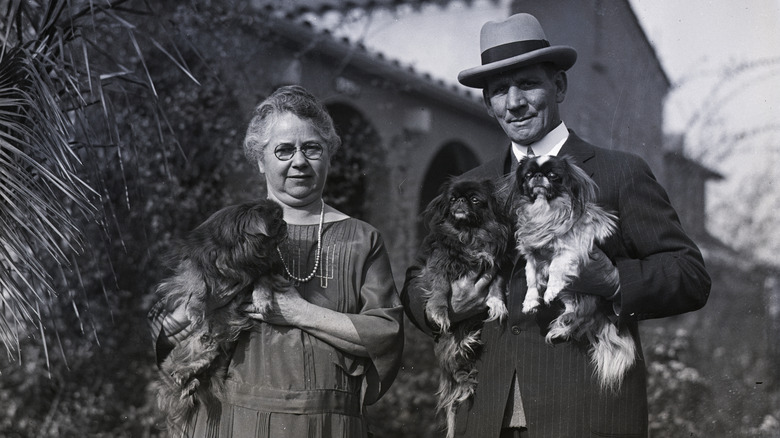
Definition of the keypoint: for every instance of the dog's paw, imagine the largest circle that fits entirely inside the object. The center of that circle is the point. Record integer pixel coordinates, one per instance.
(530, 307)
(560, 328)
(552, 291)
(439, 317)
(183, 376)
(557, 333)
(189, 390)
(496, 309)
(531, 302)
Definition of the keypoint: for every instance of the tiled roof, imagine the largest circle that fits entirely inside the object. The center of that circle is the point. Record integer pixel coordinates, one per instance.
(308, 26)
(321, 6)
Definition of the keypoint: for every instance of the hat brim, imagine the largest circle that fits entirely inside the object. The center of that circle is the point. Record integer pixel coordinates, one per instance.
(563, 57)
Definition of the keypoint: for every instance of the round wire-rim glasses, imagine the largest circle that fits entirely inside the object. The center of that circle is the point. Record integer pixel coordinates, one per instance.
(312, 151)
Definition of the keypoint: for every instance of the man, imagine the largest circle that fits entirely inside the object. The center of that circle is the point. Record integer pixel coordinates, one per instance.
(528, 388)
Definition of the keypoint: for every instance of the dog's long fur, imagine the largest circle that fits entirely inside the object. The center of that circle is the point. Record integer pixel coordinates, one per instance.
(557, 226)
(468, 235)
(216, 269)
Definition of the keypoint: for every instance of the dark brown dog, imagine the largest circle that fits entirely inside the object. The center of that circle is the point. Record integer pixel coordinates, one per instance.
(468, 235)
(217, 268)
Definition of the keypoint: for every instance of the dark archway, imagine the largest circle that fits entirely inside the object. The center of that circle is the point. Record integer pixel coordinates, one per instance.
(453, 159)
(360, 153)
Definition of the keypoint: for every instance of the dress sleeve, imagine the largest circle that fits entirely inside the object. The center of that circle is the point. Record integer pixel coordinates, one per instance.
(380, 321)
(662, 272)
(166, 330)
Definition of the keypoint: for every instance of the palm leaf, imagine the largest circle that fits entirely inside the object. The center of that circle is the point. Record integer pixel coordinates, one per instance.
(37, 176)
(49, 82)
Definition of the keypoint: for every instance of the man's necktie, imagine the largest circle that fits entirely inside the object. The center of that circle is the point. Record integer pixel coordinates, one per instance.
(530, 152)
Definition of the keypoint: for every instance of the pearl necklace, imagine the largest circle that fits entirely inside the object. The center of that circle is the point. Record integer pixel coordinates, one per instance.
(316, 254)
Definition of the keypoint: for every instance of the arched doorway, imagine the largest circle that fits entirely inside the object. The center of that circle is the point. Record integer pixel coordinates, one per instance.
(360, 154)
(453, 159)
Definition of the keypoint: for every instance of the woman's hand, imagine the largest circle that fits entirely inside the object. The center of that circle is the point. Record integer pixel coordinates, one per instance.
(176, 324)
(286, 307)
(279, 307)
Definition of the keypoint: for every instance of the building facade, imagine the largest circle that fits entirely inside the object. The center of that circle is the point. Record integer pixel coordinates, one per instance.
(426, 130)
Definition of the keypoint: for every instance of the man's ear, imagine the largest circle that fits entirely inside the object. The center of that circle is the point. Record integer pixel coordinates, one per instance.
(488, 106)
(260, 165)
(561, 84)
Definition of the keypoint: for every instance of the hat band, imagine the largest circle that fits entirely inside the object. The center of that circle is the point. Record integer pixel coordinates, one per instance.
(508, 50)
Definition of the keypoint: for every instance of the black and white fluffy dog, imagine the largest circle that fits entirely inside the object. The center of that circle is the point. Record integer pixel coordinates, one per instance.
(217, 266)
(468, 235)
(557, 225)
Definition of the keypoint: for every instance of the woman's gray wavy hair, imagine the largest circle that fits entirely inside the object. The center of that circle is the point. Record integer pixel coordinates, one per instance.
(292, 99)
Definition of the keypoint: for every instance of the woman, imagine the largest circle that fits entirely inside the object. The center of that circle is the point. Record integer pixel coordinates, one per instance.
(333, 341)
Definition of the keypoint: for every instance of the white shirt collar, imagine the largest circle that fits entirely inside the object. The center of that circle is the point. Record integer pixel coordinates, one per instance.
(550, 144)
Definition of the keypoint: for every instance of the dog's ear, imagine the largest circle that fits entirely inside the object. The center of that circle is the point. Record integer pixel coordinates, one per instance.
(438, 208)
(522, 167)
(581, 186)
(253, 217)
(256, 225)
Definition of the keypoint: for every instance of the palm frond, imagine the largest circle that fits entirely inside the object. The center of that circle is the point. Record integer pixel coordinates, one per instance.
(39, 188)
(50, 86)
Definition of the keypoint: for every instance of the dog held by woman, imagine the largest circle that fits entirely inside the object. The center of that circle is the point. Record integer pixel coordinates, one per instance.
(217, 266)
(468, 235)
(557, 225)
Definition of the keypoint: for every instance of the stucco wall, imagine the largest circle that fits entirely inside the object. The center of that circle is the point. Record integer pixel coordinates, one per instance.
(615, 98)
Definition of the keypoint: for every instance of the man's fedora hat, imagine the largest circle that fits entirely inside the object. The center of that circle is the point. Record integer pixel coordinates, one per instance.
(515, 42)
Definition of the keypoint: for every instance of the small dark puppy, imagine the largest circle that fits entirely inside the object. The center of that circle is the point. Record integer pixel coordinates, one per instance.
(469, 235)
(217, 267)
(558, 224)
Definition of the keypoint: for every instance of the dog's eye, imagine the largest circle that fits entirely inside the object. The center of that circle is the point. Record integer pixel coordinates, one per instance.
(552, 175)
(453, 199)
(475, 200)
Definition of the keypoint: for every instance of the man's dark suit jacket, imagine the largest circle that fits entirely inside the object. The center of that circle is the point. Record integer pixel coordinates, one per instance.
(661, 274)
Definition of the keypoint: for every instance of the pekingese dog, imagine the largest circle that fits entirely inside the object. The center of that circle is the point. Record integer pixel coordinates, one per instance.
(557, 226)
(468, 235)
(218, 265)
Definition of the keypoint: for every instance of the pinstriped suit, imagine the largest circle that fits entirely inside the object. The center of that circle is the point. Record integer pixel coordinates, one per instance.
(661, 274)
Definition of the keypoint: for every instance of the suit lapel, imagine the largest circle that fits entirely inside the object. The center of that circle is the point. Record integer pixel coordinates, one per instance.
(581, 151)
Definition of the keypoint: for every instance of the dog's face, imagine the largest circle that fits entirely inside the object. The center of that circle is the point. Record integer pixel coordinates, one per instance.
(541, 176)
(469, 203)
(551, 177)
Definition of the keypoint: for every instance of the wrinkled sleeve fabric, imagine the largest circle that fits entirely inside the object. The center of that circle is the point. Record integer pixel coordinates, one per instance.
(662, 272)
(380, 320)
(166, 331)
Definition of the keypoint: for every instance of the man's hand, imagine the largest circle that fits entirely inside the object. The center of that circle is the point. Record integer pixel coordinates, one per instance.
(468, 297)
(599, 277)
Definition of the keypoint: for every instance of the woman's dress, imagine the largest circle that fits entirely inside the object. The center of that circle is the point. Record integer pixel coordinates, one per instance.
(283, 382)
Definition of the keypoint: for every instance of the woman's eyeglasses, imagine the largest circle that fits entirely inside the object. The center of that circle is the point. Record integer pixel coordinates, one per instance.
(312, 151)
